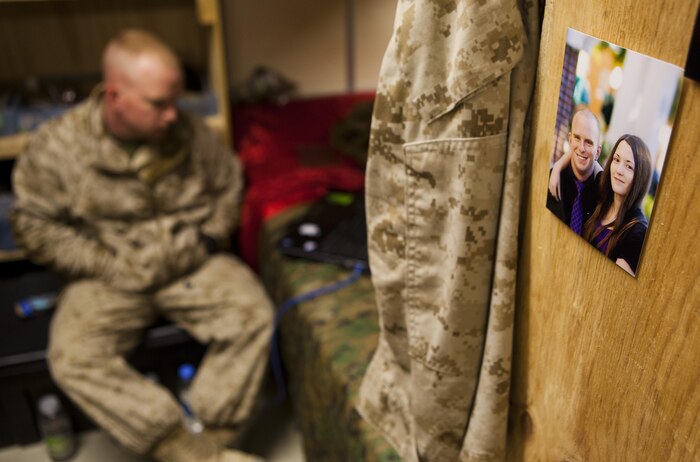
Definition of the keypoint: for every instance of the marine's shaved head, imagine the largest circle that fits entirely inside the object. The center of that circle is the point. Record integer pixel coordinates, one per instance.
(142, 81)
(125, 52)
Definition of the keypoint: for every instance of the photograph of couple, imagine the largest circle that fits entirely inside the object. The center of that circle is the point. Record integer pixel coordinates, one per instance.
(614, 120)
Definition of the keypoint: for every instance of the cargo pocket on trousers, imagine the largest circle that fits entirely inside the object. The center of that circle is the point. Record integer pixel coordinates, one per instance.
(453, 195)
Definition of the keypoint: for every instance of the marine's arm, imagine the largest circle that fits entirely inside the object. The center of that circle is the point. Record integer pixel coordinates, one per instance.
(224, 171)
(41, 218)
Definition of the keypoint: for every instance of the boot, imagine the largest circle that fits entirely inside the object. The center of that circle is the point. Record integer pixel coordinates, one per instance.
(182, 446)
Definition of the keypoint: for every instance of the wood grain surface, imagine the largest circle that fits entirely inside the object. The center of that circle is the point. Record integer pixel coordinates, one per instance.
(606, 366)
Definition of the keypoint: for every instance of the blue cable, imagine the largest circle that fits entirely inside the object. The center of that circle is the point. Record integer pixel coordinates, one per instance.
(275, 357)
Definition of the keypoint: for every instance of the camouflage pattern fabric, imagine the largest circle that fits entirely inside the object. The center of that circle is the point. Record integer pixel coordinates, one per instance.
(221, 304)
(444, 176)
(88, 208)
(326, 346)
(131, 231)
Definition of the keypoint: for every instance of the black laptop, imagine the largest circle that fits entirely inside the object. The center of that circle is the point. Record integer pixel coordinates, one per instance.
(334, 230)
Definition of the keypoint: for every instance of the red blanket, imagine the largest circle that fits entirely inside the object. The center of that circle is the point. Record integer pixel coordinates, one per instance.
(288, 159)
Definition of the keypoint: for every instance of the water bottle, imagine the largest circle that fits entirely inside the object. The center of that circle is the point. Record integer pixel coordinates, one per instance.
(30, 306)
(152, 377)
(190, 421)
(55, 427)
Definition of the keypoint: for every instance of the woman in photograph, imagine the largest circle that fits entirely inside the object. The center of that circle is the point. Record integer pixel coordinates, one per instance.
(617, 227)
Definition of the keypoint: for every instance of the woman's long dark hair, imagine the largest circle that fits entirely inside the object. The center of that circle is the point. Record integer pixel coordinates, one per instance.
(640, 186)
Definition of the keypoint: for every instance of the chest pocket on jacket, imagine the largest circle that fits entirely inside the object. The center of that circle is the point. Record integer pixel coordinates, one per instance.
(452, 201)
(454, 180)
(484, 42)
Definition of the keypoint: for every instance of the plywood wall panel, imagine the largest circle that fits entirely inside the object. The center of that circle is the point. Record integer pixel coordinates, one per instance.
(606, 366)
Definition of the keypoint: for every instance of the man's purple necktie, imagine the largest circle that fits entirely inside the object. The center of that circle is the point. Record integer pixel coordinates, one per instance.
(576, 222)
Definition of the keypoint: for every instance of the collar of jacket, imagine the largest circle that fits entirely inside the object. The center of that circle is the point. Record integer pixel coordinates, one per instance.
(490, 39)
(150, 161)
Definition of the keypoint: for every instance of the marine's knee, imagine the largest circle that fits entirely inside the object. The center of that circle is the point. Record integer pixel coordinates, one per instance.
(248, 323)
(60, 365)
(265, 315)
(261, 320)
(63, 345)
(70, 359)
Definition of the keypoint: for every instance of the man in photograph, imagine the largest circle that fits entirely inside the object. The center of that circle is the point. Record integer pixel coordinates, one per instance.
(573, 194)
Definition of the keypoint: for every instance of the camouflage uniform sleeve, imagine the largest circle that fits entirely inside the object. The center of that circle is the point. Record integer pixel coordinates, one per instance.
(41, 220)
(223, 171)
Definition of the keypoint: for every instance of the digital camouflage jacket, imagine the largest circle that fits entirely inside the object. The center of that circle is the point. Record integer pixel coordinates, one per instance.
(443, 188)
(89, 208)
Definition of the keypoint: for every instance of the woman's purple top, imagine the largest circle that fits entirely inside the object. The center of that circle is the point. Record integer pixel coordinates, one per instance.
(600, 237)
